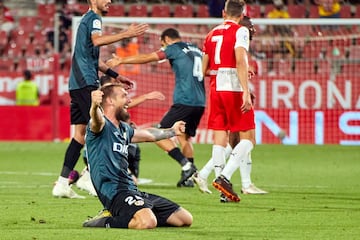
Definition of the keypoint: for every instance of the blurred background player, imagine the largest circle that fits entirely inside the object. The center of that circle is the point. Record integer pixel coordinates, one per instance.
(27, 92)
(188, 97)
(84, 79)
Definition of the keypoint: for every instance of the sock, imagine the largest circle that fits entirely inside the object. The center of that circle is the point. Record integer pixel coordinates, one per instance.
(244, 150)
(239, 159)
(176, 154)
(191, 159)
(218, 156)
(209, 166)
(71, 157)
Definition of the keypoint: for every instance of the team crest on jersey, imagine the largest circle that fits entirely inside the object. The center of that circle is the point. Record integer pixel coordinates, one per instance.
(97, 24)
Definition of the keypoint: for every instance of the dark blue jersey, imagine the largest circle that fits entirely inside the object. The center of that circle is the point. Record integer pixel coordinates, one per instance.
(107, 157)
(85, 60)
(186, 62)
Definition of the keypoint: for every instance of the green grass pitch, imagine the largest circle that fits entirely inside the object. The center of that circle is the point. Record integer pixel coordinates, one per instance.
(314, 194)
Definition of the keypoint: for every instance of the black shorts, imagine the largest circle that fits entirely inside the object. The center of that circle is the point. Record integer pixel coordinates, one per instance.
(127, 203)
(80, 105)
(190, 115)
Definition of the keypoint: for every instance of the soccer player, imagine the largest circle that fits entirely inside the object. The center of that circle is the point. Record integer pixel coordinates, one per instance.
(107, 141)
(226, 60)
(188, 97)
(84, 79)
(201, 177)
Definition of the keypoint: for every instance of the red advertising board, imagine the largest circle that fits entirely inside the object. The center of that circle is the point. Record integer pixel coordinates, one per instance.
(309, 109)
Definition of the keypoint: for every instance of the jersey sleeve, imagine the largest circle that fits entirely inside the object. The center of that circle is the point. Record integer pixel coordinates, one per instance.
(242, 38)
(96, 26)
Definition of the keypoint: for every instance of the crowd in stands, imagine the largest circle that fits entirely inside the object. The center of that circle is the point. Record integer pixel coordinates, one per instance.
(27, 42)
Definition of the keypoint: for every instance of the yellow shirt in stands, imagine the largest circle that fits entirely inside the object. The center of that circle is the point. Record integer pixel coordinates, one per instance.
(278, 14)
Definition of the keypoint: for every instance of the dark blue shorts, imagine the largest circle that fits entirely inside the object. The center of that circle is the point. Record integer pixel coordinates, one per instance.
(189, 114)
(127, 203)
(80, 105)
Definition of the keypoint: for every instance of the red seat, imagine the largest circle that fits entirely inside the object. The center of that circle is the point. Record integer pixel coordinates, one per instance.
(6, 64)
(202, 11)
(357, 12)
(29, 23)
(46, 9)
(296, 11)
(116, 10)
(183, 10)
(160, 10)
(314, 11)
(304, 67)
(138, 10)
(78, 8)
(345, 11)
(253, 11)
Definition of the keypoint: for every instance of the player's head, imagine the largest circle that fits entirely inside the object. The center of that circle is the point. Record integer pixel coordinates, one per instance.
(168, 36)
(234, 8)
(246, 22)
(116, 97)
(100, 6)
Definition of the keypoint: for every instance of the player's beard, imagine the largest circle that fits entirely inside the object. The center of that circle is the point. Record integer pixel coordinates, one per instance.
(121, 115)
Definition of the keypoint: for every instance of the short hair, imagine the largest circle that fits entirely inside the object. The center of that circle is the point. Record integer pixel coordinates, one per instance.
(171, 33)
(105, 79)
(107, 89)
(234, 8)
(27, 74)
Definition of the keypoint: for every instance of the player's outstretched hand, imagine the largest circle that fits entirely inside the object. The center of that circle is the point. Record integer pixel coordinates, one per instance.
(114, 61)
(135, 30)
(179, 127)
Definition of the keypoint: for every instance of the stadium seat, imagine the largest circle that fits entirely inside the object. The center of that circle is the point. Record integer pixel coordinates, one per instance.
(29, 23)
(117, 10)
(138, 10)
(160, 10)
(6, 64)
(183, 10)
(345, 11)
(202, 11)
(254, 10)
(314, 12)
(78, 8)
(357, 12)
(46, 10)
(296, 10)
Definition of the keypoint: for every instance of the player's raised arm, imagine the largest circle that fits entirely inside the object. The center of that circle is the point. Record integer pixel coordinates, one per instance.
(97, 120)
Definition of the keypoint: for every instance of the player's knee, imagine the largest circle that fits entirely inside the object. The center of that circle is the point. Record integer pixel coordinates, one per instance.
(143, 219)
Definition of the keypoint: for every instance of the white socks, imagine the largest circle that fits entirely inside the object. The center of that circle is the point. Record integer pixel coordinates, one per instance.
(218, 155)
(209, 166)
(240, 158)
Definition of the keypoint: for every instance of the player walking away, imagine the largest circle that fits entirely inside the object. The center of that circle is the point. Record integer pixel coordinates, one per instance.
(188, 97)
(107, 141)
(226, 60)
(200, 178)
(84, 79)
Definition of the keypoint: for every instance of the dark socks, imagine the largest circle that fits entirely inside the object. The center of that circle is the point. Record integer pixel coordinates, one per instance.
(71, 157)
(178, 156)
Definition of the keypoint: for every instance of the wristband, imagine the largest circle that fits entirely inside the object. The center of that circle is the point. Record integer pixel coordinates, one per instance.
(111, 73)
